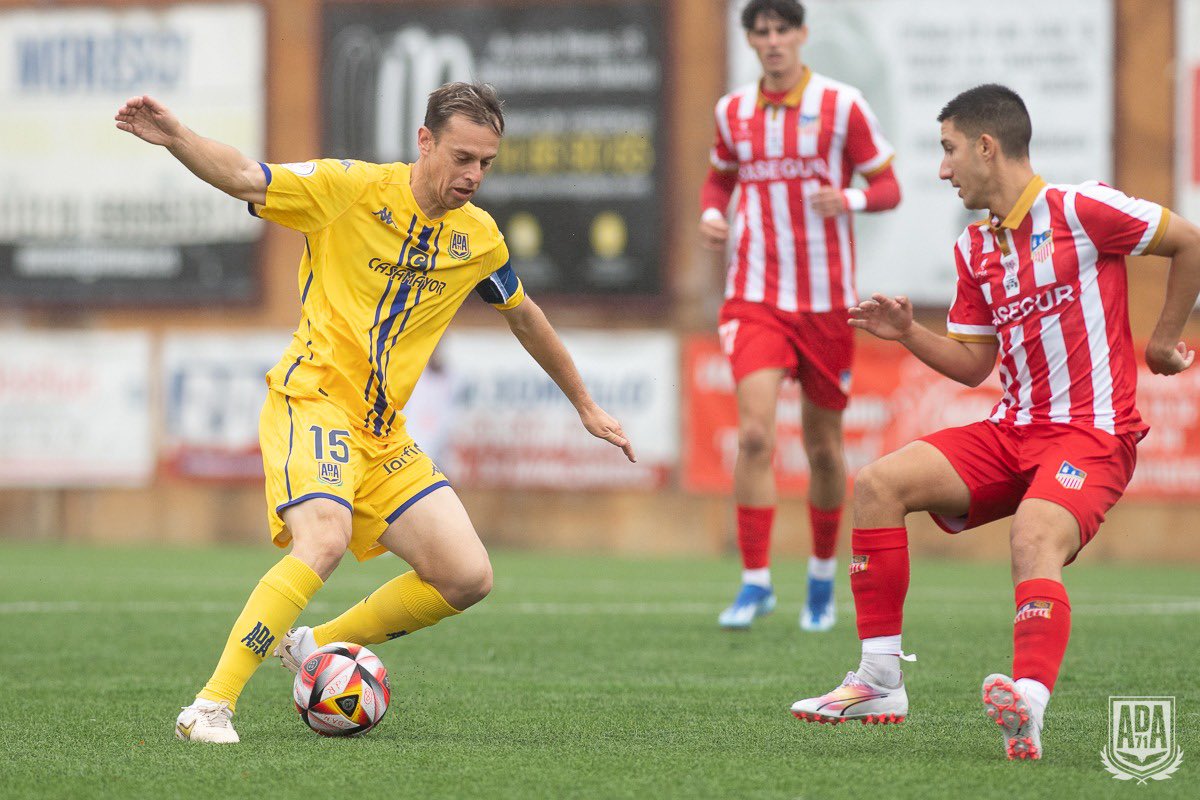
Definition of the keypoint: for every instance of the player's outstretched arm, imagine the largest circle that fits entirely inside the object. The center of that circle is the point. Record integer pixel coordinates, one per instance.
(529, 324)
(891, 318)
(1166, 354)
(211, 161)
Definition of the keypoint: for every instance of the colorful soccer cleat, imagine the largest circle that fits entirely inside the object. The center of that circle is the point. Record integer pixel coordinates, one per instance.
(855, 699)
(206, 721)
(819, 612)
(296, 646)
(752, 601)
(1022, 727)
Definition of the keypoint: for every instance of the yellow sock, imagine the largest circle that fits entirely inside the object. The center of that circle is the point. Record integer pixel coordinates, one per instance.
(401, 606)
(272, 608)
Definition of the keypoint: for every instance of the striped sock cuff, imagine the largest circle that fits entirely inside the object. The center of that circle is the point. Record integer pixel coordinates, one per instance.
(293, 579)
(422, 600)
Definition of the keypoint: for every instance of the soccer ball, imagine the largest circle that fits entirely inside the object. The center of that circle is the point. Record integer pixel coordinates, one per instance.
(341, 689)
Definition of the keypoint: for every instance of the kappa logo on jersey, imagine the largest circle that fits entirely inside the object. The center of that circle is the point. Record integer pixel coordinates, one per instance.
(858, 564)
(1041, 246)
(330, 473)
(259, 639)
(346, 164)
(460, 246)
(1070, 477)
(1034, 608)
(385, 216)
(810, 124)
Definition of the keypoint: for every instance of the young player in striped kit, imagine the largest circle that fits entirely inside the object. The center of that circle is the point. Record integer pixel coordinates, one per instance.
(1041, 281)
(791, 144)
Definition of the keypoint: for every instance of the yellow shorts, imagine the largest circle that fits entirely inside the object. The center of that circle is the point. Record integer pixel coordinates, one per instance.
(311, 448)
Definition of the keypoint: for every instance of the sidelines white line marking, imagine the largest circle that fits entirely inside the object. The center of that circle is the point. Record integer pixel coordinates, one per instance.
(1177, 606)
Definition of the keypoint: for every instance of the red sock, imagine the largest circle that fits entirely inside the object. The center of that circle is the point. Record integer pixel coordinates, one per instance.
(825, 524)
(1040, 630)
(879, 579)
(754, 535)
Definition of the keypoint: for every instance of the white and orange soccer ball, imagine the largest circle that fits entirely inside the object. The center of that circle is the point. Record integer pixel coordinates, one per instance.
(341, 690)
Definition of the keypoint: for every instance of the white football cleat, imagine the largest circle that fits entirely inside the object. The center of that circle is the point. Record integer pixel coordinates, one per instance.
(855, 699)
(206, 721)
(1008, 708)
(295, 647)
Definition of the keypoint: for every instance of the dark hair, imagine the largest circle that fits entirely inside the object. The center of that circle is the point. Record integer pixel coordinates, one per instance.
(994, 109)
(478, 102)
(790, 11)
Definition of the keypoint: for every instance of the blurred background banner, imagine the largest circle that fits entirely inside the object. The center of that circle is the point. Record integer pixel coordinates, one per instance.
(578, 185)
(897, 399)
(909, 59)
(512, 427)
(90, 215)
(1187, 108)
(75, 409)
(213, 387)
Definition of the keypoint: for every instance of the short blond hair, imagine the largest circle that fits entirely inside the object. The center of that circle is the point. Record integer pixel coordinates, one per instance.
(478, 102)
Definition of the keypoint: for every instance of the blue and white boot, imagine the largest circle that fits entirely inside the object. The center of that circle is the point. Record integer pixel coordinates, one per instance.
(820, 610)
(751, 601)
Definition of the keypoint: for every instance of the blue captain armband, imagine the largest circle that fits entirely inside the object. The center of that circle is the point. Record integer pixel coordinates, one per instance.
(502, 288)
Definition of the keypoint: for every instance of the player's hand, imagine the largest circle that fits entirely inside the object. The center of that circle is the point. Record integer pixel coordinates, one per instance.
(149, 120)
(602, 426)
(714, 232)
(1166, 360)
(828, 202)
(886, 317)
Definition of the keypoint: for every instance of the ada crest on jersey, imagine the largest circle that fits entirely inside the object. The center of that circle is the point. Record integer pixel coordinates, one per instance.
(331, 473)
(460, 246)
(1070, 477)
(1141, 739)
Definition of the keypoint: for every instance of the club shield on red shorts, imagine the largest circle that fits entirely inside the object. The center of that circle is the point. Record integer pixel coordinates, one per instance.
(1081, 469)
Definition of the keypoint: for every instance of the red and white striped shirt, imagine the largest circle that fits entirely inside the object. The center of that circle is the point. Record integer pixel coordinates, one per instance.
(1049, 283)
(784, 253)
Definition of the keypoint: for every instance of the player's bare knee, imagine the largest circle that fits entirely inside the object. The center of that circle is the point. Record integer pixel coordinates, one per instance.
(824, 456)
(467, 586)
(755, 442)
(873, 490)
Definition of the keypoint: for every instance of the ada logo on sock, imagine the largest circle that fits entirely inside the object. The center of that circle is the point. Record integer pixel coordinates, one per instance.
(858, 564)
(1034, 608)
(1141, 739)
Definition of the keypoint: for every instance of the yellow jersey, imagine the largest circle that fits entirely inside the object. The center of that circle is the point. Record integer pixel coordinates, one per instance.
(379, 282)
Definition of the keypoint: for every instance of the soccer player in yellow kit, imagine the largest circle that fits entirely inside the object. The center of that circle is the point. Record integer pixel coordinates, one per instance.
(391, 251)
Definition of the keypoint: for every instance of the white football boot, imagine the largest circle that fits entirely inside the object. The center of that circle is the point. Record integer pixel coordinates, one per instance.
(206, 721)
(1008, 708)
(295, 647)
(855, 699)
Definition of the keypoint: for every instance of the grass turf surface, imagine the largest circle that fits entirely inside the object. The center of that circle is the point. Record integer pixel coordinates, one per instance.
(581, 676)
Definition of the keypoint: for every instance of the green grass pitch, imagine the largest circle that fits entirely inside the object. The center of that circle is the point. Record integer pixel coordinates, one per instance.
(581, 676)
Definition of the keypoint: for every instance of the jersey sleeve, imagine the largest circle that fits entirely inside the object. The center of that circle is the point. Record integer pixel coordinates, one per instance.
(1117, 223)
(866, 147)
(501, 287)
(970, 317)
(308, 195)
(723, 155)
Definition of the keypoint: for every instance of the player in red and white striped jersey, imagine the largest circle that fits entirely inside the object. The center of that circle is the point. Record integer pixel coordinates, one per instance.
(1041, 281)
(790, 144)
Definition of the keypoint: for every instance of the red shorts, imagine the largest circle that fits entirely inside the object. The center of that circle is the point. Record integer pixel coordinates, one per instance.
(815, 348)
(1084, 470)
